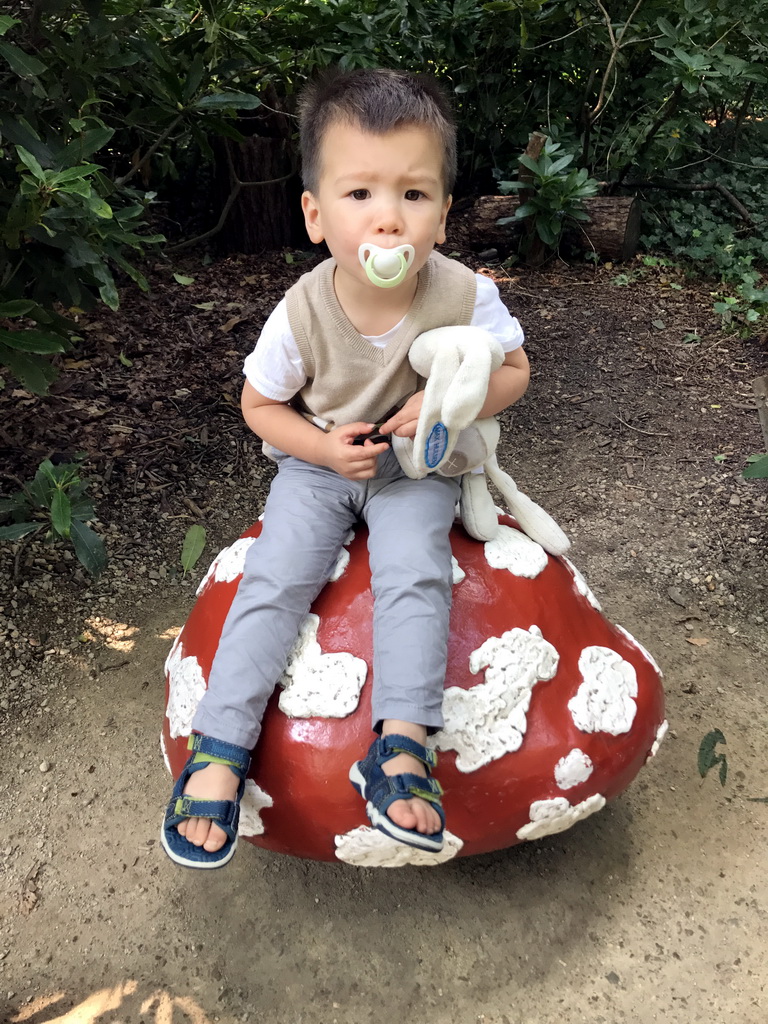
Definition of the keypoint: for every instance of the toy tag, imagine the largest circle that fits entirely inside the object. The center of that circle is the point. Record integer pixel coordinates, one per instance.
(436, 445)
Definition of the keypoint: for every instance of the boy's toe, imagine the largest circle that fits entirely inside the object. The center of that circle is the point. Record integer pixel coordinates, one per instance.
(216, 839)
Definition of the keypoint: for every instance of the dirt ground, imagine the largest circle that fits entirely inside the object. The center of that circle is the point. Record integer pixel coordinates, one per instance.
(655, 909)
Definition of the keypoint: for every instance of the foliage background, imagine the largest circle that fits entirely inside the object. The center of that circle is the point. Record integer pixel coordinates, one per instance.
(131, 128)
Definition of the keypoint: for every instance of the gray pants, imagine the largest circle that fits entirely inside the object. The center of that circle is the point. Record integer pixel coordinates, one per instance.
(307, 517)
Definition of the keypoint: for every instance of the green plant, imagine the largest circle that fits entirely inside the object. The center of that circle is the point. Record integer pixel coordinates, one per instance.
(553, 196)
(757, 467)
(709, 759)
(744, 309)
(192, 548)
(55, 501)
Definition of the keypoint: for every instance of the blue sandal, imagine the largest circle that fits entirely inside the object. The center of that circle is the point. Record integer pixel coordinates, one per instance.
(380, 790)
(226, 813)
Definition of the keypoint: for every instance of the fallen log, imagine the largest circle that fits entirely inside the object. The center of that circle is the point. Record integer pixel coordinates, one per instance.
(613, 230)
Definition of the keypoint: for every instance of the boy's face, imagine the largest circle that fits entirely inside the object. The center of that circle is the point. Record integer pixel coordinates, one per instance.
(387, 189)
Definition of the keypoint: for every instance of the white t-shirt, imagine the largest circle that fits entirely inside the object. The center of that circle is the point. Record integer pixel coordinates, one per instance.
(275, 368)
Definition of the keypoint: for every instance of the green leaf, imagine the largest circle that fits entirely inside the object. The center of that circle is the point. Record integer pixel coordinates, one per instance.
(708, 758)
(194, 78)
(33, 341)
(16, 307)
(89, 548)
(99, 207)
(6, 23)
(33, 372)
(181, 279)
(24, 64)
(70, 173)
(61, 513)
(125, 360)
(31, 162)
(16, 503)
(222, 100)
(86, 144)
(757, 468)
(532, 165)
(192, 548)
(17, 530)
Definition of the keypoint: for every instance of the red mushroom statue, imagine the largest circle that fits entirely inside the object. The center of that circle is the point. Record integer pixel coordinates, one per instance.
(550, 710)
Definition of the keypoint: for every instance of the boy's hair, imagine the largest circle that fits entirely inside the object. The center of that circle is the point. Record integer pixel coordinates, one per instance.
(379, 101)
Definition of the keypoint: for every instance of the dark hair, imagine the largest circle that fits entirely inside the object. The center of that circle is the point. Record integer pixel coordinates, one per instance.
(379, 101)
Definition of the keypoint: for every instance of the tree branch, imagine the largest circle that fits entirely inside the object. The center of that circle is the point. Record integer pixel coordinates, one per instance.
(616, 43)
(704, 186)
(150, 152)
(237, 187)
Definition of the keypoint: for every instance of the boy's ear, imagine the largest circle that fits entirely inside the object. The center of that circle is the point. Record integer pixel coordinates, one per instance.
(311, 212)
(441, 228)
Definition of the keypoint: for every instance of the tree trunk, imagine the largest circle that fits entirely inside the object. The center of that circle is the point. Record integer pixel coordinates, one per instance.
(261, 217)
(760, 388)
(266, 212)
(613, 230)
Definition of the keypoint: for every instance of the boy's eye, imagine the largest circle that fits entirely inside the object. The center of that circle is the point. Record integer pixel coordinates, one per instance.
(413, 194)
(360, 193)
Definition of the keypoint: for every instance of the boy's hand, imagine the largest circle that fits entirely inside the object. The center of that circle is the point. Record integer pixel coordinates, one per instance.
(405, 420)
(350, 460)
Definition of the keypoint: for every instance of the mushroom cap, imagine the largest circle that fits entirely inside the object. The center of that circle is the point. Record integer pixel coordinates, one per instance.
(550, 710)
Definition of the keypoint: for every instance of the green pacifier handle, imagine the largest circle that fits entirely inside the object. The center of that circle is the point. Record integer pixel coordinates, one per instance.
(369, 265)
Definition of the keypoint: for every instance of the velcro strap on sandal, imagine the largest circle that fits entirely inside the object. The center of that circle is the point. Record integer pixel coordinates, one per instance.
(226, 813)
(409, 784)
(396, 744)
(217, 751)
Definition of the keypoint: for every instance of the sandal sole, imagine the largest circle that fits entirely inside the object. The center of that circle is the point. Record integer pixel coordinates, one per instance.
(385, 824)
(406, 836)
(205, 865)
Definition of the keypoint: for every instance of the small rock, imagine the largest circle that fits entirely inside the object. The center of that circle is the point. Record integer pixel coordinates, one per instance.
(45, 766)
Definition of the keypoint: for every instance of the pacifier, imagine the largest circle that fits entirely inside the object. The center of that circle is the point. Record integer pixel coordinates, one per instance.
(385, 268)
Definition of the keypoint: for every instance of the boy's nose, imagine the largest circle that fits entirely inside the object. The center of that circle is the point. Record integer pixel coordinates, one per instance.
(389, 220)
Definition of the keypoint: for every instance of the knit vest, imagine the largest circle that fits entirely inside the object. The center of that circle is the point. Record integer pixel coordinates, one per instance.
(348, 378)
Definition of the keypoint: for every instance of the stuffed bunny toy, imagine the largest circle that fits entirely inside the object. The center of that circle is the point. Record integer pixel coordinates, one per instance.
(457, 363)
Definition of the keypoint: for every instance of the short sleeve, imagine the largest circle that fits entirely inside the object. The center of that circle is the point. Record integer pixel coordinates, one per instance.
(491, 313)
(275, 368)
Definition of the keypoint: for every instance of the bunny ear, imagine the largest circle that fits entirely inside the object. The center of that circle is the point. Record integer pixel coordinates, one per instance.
(457, 363)
(478, 512)
(533, 520)
(403, 449)
(434, 438)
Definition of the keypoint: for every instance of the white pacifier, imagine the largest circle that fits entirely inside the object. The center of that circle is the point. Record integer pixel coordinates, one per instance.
(385, 268)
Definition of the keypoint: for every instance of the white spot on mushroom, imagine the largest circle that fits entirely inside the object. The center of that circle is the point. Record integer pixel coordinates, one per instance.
(369, 848)
(603, 702)
(253, 803)
(573, 769)
(660, 734)
(458, 572)
(164, 752)
(646, 654)
(510, 549)
(582, 586)
(317, 684)
(489, 720)
(343, 560)
(186, 686)
(228, 564)
(551, 816)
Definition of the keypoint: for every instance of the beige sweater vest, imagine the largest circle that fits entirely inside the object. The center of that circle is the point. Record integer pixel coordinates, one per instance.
(349, 379)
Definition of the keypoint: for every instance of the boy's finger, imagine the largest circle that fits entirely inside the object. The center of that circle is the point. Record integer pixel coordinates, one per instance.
(352, 430)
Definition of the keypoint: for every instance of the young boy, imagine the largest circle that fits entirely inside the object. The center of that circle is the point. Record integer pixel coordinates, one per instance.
(379, 163)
